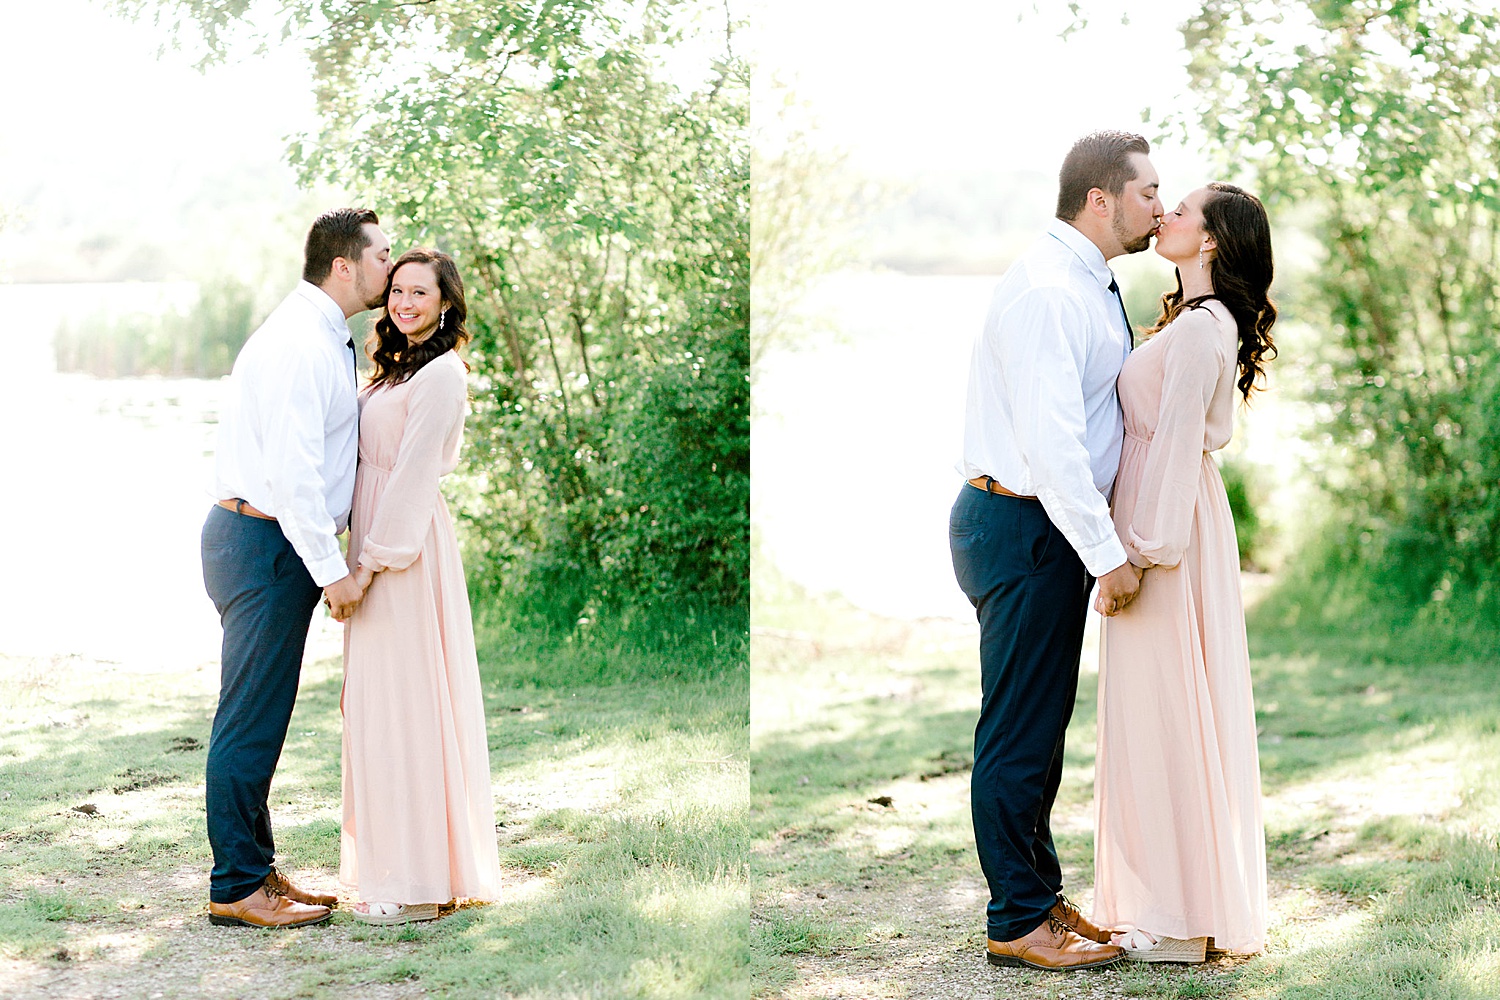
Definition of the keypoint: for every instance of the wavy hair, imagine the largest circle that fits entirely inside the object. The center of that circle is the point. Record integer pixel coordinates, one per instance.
(1242, 270)
(396, 360)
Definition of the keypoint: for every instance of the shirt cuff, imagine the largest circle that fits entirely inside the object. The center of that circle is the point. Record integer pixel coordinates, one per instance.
(329, 570)
(1107, 555)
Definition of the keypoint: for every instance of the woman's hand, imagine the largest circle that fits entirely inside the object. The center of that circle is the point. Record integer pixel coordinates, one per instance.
(362, 577)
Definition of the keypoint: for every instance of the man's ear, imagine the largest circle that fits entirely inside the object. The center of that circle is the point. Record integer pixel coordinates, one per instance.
(342, 267)
(1097, 201)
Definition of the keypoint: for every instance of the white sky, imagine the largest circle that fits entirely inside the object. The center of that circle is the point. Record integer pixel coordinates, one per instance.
(101, 130)
(962, 83)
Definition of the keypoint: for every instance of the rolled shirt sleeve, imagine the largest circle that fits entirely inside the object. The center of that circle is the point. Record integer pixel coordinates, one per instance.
(288, 429)
(294, 441)
(1040, 348)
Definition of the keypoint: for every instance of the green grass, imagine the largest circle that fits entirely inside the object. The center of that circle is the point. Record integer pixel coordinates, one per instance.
(1382, 784)
(621, 823)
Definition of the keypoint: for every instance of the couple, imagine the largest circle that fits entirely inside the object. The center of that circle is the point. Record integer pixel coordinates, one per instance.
(1062, 413)
(299, 445)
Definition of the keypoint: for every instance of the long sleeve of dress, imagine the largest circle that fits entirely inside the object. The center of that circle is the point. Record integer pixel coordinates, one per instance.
(1192, 365)
(434, 413)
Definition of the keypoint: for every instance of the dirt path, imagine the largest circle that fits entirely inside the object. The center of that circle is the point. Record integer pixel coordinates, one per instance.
(935, 948)
(146, 932)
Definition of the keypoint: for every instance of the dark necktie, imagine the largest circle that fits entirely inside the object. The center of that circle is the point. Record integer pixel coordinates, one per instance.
(1129, 330)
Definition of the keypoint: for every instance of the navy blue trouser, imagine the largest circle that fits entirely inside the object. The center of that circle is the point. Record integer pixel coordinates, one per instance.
(1030, 591)
(265, 598)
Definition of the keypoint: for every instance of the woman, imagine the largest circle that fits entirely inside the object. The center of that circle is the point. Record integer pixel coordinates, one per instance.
(1180, 849)
(419, 820)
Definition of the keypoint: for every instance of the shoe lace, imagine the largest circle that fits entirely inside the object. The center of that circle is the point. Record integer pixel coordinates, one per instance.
(274, 884)
(1070, 911)
(1057, 925)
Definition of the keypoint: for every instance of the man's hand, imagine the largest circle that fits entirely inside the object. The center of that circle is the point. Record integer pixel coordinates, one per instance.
(1117, 588)
(342, 596)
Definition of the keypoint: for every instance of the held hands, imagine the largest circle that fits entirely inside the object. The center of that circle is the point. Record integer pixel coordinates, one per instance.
(342, 596)
(1117, 588)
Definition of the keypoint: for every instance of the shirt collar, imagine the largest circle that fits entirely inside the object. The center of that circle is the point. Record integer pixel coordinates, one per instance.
(329, 308)
(1084, 249)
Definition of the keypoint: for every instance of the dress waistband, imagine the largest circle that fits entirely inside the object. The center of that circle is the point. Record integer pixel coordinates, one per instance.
(366, 463)
(1145, 440)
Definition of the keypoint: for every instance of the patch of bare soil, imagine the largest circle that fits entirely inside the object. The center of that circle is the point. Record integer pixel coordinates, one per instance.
(928, 942)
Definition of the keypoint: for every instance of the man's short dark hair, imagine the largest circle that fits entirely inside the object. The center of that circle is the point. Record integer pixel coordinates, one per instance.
(339, 233)
(1098, 160)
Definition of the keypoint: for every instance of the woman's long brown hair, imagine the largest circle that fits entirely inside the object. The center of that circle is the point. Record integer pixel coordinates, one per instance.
(1243, 266)
(396, 360)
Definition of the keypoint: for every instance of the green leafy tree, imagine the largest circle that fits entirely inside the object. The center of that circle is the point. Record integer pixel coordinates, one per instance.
(598, 208)
(1382, 121)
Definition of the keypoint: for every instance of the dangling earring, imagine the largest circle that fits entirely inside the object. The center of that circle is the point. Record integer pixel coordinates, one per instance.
(444, 314)
(1200, 258)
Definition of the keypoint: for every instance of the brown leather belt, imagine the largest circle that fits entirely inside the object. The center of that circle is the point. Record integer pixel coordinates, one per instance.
(241, 507)
(990, 486)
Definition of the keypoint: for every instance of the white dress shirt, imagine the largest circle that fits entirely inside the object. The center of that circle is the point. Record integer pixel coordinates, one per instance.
(288, 433)
(1042, 417)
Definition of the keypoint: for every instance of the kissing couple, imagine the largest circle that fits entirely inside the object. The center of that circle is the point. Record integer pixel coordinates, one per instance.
(305, 453)
(1089, 458)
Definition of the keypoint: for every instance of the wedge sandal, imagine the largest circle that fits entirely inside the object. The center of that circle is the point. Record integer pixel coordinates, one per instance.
(1140, 947)
(392, 914)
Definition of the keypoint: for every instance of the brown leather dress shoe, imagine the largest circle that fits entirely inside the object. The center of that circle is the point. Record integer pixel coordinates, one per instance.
(1065, 911)
(279, 883)
(266, 909)
(1054, 948)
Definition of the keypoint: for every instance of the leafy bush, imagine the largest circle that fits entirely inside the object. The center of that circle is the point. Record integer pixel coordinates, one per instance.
(1379, 124)
(598, 210)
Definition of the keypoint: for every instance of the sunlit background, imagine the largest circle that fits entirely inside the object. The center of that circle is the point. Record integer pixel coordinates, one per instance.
(944, 133)
(140, 199)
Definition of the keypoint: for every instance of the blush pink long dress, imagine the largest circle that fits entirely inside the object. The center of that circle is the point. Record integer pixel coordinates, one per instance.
(419, 818)
(1179, 844)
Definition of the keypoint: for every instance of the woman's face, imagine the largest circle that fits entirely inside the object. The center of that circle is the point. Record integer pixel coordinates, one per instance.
(1182, 233)
(415, 301)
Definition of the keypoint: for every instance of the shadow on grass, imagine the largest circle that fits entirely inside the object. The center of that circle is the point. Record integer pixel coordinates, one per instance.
(1397, 907)
(643, 896)
(1323, 703)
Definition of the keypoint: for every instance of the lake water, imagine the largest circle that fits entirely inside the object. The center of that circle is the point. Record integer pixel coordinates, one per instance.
(104, 491)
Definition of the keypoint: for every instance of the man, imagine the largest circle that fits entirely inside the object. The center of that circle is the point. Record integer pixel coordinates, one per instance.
(284, 481)
(1031, 530)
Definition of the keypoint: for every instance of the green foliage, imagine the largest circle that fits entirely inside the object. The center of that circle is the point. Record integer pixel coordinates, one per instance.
(598, 210)
(1382, 119)
(202, 342)
(1241, 487)
(1340, 576)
